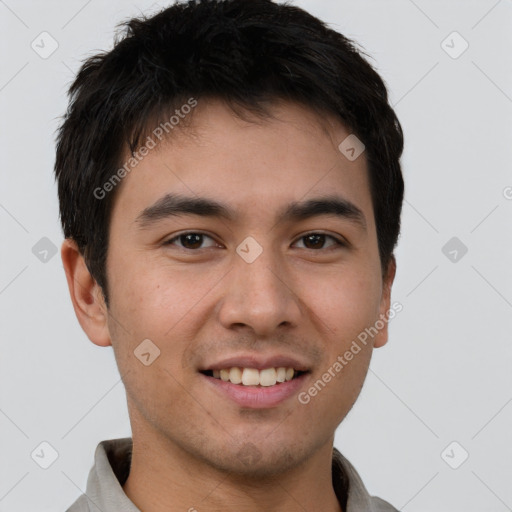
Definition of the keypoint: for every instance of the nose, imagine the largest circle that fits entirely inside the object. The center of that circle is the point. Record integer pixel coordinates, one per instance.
(260, 296)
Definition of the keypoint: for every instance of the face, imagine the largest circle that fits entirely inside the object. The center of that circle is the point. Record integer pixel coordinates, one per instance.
(271, 276)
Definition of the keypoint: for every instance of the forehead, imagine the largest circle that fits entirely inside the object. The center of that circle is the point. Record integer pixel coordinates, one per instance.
(255, 165)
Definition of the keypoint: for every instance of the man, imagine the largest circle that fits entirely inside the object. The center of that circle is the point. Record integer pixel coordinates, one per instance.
(230, 194)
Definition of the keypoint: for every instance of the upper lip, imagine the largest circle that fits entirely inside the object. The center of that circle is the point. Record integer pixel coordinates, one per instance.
(257, 361)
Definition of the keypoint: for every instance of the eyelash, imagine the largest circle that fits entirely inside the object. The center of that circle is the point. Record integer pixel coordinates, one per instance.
(338, 242)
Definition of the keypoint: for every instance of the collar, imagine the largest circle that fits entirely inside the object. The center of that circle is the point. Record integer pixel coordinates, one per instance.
(112, 461)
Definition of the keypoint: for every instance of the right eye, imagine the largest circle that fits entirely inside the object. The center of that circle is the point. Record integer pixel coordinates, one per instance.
(190, 240)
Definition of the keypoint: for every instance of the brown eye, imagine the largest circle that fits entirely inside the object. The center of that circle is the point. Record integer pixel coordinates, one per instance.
(190, 240)
(317, 241)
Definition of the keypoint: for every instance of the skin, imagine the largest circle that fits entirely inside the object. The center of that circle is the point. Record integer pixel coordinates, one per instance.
(297, 298)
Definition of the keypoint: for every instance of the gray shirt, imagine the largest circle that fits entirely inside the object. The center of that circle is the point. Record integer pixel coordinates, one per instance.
(111, 467)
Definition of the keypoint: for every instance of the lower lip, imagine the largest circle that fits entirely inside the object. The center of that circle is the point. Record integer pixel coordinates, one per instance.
(258, 397)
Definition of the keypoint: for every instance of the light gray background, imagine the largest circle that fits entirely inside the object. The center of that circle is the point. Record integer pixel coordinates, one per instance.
(445, 374)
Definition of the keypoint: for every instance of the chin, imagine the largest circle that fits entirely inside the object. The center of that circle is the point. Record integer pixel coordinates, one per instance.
(251, 461)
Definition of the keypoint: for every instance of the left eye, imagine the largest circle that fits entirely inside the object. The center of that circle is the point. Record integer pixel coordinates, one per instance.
(318, 239)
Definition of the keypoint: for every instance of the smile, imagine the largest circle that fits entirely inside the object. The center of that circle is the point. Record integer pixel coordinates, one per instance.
(255, 389)
(254, 377)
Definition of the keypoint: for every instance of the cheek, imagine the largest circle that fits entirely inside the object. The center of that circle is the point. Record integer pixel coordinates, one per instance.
(346, 303)
(150, 297)
(335, 388)
(164, 305)
(149, 335)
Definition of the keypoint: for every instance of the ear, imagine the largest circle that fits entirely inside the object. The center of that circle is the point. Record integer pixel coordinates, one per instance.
(381, 337)
(86, 295)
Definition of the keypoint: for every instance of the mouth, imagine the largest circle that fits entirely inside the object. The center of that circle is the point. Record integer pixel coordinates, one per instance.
(256, 381)
(252, 377)
(252, 388)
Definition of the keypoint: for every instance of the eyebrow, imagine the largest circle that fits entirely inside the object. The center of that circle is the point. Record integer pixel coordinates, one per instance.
(172, 205)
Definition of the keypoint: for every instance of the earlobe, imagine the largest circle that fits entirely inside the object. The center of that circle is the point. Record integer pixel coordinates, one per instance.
(382, 337)
(86, 295)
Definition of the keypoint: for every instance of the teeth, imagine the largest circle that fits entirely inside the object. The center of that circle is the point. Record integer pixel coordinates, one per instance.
(250, 377)
(268, 377)
(254, 377)
(235, 375)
